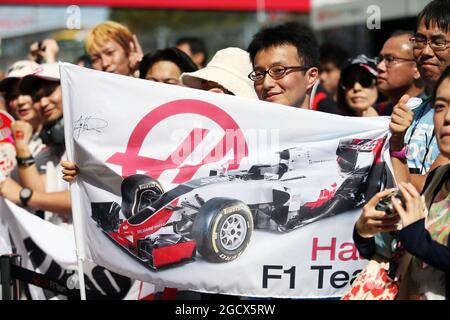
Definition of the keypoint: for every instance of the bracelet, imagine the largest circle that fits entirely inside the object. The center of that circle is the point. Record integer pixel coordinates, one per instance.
(401, 154)
(25, 162)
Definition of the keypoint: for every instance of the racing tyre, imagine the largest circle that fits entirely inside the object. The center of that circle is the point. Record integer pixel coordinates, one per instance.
(222, 229)
(138, 192)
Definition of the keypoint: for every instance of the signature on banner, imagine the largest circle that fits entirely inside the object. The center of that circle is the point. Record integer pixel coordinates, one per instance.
(88, 124)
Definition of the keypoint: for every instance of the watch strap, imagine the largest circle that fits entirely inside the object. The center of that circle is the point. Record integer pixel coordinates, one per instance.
(25, 196)
(25, 162)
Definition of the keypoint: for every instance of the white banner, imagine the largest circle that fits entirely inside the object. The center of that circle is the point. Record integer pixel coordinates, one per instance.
(49, 249)
(245, 197)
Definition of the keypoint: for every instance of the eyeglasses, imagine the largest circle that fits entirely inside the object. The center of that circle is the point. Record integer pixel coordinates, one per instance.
(437, 44)
(364, 81)
(390, 60)
(275, 72)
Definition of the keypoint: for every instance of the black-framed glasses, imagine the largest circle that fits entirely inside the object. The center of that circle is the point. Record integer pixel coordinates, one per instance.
(390, 60)
(364, 81)
(275, 72)
(437, 44)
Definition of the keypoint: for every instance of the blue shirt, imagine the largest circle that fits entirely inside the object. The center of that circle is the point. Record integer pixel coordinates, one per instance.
(423, 148)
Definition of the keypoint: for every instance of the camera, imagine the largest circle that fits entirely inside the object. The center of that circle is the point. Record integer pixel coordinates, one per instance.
(385, 203)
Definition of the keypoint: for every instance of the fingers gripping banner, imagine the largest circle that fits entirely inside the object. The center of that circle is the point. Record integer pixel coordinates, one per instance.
(216, 193)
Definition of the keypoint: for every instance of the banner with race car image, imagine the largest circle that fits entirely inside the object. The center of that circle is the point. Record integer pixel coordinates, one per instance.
(49, 250)
(215, 193)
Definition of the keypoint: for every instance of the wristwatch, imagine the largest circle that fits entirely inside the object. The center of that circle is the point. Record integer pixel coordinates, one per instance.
(25, 162)
(25, 196)
(401, 154)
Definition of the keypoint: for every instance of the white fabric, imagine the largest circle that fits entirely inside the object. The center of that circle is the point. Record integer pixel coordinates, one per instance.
(101, 112)
(55, 245)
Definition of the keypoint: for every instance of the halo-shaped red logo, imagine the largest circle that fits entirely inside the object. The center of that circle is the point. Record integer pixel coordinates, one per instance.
(131, 161)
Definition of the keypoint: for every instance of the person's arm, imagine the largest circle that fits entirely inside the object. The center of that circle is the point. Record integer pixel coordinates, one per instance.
(365, 246)
(417, 240)
(402, 173)
(418, 180)
(370, 223)
(58, 202)
(28, 174)
(401, 119)
(414, 236)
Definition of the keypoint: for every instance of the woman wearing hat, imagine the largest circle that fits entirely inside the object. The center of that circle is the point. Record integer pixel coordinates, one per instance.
(357, 92)
(225, 73)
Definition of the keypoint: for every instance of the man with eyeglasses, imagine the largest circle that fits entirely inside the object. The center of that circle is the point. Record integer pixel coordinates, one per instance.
(414, 130)
(397, 72)
(285, 60)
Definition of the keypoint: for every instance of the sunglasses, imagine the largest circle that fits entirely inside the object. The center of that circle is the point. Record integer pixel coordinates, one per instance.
(365, 81)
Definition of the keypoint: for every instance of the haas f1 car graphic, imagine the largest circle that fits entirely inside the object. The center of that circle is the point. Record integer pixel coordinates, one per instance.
(216, 215)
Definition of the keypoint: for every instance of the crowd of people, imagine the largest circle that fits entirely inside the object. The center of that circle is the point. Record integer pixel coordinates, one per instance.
(283, 64)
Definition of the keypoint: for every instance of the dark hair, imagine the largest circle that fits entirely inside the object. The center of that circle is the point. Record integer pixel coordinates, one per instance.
(174, 55)
(342, 106)
(86, 59)
(444, 75)
(292, 33)
(398, 33)
(436, 12)
(333, 53)
(196, 44)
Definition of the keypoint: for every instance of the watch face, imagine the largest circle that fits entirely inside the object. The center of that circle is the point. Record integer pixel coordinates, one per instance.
(25, 193)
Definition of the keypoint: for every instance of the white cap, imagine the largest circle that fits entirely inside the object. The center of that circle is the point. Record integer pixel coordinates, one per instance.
(18, 70)
(230, 68)
(46, 71)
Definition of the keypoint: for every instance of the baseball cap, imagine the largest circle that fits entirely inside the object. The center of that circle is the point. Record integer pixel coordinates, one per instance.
(31, 83)
(17, 70)
(362, 61)
(229, 67)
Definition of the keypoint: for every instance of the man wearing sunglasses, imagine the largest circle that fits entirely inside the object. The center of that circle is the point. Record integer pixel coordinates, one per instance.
(414, 130)
(397, 71)
(285, 60)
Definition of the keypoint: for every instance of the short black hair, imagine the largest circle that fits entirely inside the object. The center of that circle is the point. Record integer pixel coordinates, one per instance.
(196, 44)
(333, 53)
(436, 12)
(296, 34)
(181, 59)
(86, 59)
(444, 75)
(398, 33)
